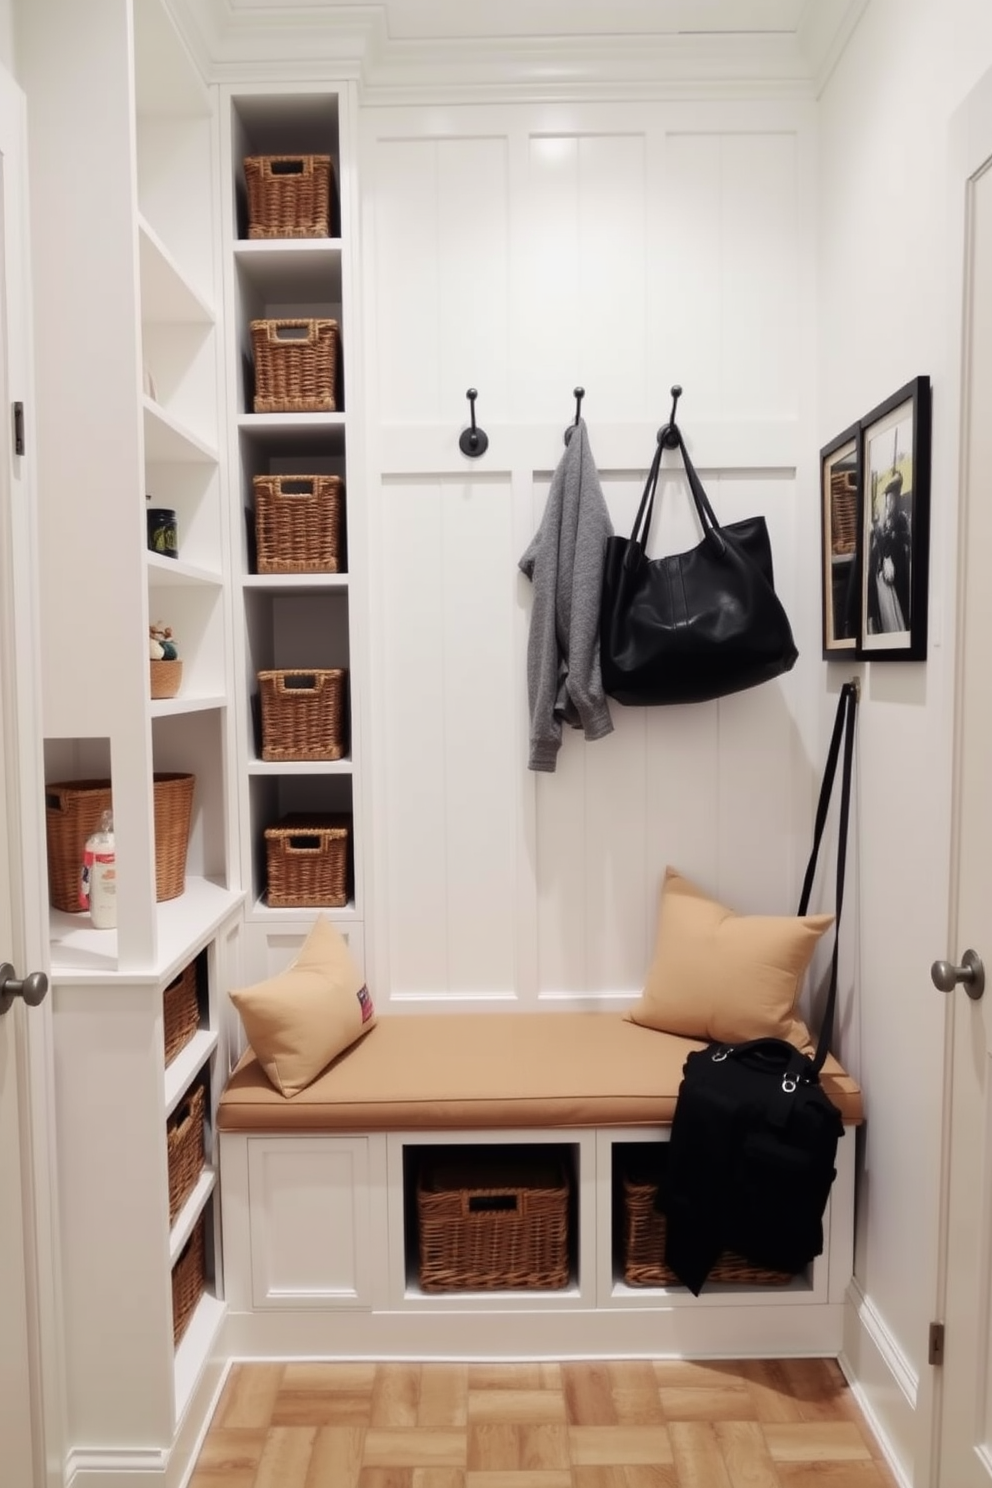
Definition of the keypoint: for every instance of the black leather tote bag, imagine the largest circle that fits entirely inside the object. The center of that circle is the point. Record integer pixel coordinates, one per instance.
(697, 625)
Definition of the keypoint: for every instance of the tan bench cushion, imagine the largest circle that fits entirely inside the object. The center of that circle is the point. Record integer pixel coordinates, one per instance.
(441, 1071)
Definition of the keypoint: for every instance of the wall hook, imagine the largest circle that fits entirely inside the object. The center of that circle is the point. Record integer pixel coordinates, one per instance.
(473, 441)
(579, 394)
(668, 435)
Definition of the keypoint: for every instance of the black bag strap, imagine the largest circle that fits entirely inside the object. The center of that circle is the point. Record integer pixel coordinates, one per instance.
(645, 511)
(843, 730)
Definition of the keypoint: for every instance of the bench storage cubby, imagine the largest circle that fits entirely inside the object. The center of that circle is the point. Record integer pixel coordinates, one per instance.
(320, 1199)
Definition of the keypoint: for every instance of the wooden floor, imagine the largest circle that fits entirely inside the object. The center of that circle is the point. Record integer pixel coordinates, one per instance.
(643, 1424)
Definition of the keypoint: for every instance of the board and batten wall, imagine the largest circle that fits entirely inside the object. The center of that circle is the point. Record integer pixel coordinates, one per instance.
(524, 250)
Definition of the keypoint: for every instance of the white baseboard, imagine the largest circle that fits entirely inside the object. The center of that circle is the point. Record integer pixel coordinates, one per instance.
(883, 1382)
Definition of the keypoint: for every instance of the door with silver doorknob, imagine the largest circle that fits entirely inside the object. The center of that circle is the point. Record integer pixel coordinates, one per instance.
(32, 988)
(944, 975)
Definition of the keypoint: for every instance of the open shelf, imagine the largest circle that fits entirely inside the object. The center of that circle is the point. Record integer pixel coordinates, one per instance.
(81, 954)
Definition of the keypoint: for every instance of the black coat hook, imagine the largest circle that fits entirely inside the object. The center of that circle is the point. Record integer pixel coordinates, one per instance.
(473, 441)
(668, 435)
(579, 394)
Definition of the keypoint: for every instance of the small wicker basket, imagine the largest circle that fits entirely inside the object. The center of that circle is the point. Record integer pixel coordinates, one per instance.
(72, 812)
(843, 512)
(298, 523)
(289, 196)
(189, 1280)
(295, 365)
(644, 1246)
(308, 861)
(303, 714)
(166, 677)
(493, 1226)
(180, 1012)
(184, 1149)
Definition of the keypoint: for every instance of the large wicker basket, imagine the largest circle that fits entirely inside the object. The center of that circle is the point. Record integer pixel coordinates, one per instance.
(72, 812)
(184, 1149)
(493, 1225)
(644, 1244)
(189, 1280)
(303, 714)
(298, 523)
(289, 196)
(295, 365)
(180, 1012)
(308, 861)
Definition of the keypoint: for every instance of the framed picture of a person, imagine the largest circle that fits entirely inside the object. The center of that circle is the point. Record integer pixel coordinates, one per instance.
(895, 526)
(840, 549)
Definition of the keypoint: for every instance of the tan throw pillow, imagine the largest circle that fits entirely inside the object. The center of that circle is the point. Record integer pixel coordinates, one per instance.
(299, 1021)
(726, 977)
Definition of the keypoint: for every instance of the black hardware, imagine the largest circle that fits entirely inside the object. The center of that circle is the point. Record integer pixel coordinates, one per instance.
(473, 441)
(18, 428)
(668, 435)
(579, 393)
(935, 1344)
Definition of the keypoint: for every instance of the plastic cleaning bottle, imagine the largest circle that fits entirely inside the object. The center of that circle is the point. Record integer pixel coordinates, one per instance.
(98, 883)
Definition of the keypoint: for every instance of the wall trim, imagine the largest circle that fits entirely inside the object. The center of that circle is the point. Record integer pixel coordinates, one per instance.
(895, 1360)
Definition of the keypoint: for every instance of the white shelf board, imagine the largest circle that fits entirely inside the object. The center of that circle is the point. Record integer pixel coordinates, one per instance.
(186, 703)
(311, 265)
(190, 1212)
(300, 767)
(195, 1347)
(82, 955)
(167, 441)
(168, 573)
(261, 911)
(295, 433)
(187, 1063)
(167, 297)
(290, 583)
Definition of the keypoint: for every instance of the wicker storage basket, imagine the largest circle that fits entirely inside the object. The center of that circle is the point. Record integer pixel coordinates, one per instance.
(166, 677)
(492, 1226)
(298, 523)
(295, 365)
(644, 1245)
(303, 714)
(308, 861)
(289, 196)
(189, 1279)
(72, 811)
(180, 1012)
(184, 1149)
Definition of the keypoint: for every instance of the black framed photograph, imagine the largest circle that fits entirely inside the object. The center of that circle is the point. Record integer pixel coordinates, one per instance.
(895, 526)
(840, 528)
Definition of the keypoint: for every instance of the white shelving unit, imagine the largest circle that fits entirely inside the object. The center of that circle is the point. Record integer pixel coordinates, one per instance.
(128, 352)
(296, 620)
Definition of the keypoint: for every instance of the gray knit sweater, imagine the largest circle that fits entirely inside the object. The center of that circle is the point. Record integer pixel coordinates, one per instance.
(565, 564)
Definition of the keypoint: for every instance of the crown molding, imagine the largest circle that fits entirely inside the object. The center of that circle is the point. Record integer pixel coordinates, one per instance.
(408, 49)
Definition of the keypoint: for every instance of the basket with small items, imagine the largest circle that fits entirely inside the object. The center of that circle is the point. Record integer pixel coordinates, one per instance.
(289, 196)
(295, 365)
(163, 661)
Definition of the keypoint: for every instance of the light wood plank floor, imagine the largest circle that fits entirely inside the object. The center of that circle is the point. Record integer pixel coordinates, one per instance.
(788, 1423)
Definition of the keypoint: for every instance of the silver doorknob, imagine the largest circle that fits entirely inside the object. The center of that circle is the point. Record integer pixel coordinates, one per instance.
(971, 974)
(32, 988)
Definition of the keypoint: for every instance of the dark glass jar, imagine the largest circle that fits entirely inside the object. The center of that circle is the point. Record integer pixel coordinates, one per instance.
(163, 534)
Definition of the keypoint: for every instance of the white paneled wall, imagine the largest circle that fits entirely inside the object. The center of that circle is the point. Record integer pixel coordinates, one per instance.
(522, 251)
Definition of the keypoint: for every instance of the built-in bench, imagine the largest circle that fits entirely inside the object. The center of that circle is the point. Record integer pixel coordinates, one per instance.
(319, 1215)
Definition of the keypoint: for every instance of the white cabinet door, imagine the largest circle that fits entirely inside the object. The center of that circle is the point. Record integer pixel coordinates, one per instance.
(310, 1227)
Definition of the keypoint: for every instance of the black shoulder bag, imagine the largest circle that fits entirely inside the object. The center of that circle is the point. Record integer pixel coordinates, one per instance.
(754, 1137)
(695, 625)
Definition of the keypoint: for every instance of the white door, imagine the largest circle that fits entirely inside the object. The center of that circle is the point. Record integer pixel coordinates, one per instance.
(965, 1412)
(30, 1391)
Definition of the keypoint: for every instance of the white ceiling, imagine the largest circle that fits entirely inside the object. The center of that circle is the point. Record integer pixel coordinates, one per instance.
(431, 43)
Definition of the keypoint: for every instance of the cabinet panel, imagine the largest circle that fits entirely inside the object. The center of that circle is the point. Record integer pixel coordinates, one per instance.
(310, 1227)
